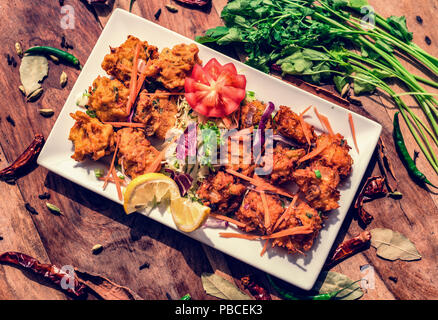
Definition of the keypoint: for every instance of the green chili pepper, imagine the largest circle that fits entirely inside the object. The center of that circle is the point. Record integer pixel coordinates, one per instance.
(187, 297)
(62, 55)
(323, 296)
(409, 163)
(318, 174)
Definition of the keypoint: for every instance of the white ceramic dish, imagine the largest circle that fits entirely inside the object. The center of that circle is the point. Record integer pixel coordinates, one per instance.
(301, 271)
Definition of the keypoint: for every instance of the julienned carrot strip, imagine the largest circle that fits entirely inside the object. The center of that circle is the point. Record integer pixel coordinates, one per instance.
(353, 131)
(265, 247)
(155, 166)
(126, 124)
(304, 112)
(324, 122)
(289, 232)
(117, 182)
(286, 213)
(133, 82)
(305, 129)
(108, 175)
(239, 235)
(266, 209)
(231, 220)
(320, 148)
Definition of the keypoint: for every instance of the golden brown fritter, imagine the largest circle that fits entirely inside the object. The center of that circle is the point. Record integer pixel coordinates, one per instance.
(283, 164)
(119, 62)
(136, 153)
(301, 215)
(252, 212)
(221, 192)
(174, 65)
(251, 113)
(240, 156)
(90, 137)
(158, 112)
(108, 99)
(321, 193)
(336, 155)
(287, 123)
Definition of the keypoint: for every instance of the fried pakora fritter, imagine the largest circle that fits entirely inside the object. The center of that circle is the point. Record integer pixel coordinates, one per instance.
(158, 112)
(301, 215)
(252, 211)
(90, 137)
(321, 193)
(336, 155)
(174, 65)
(251, 113)
(136, 153)
(240, 157)
(221, 192)
(287, 123)
(283, 163)
(119, 62)
(108, 99)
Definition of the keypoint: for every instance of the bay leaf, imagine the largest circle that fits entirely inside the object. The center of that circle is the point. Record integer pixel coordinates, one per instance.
(218, 287)
(33, 70)
(392, 245)
(333, 281)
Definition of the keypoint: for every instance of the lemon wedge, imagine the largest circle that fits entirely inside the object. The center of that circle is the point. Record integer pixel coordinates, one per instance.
(188, 215)
(145, 191)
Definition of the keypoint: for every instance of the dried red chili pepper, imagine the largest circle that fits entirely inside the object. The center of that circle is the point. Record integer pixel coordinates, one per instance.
(198, 3)
(24, 161)
(49, 271)
(258, 292)
(373, 187)
(350, 247)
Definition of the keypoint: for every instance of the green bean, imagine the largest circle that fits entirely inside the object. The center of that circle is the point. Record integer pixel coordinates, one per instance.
(62, 55)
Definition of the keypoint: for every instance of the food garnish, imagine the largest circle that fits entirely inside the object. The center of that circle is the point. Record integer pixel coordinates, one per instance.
(187, 214)
(350, 247)
(61, 54)
(215, 90)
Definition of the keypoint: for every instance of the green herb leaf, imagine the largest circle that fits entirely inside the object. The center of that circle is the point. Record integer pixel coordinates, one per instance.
(400, 28)
(333, 281)
(218, 287)
(318, 174)
(99, 173)
(363, 83)
(392, 245)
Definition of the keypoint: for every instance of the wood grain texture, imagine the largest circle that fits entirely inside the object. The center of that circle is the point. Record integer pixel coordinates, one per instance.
(175, 261)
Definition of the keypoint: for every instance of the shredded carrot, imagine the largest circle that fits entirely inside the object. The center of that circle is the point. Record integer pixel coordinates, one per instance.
(289, 232)
(133, 82)
(239, 235)
(262, 184)
(126, 124)
(286, 213)
(307, 109)
(320, 148)
(108, 175)
(305, 129)
(265, 247)
(231, 220)
(266, 209)
(117, 182)
(324, 122)
(156, 165)
(353, 131)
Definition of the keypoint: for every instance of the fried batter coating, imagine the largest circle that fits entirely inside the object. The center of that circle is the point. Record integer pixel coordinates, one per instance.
(251, 113)
(90, 137)
(174, 65)
(108, 99)
(301, 215)
(252, 211)
(158, 112)
(136, 153)
(284, 162)
(240, 157)
(321, 193)
(119, 62)
(287, 123)
(336, 155)
(221, 192)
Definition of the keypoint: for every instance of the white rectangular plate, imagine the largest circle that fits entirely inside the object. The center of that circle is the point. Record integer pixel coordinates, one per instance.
(301, 271)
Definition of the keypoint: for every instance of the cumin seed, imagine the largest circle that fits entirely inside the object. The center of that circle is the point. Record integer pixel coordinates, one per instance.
(30, 209)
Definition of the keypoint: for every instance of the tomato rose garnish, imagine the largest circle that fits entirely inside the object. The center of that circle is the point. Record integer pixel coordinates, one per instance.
(215, 90)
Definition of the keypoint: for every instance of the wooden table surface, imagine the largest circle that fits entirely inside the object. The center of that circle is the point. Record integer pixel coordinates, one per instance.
(176, 261)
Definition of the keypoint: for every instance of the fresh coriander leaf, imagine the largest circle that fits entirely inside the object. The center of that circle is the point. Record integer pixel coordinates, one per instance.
(400, 28)
(363, 83)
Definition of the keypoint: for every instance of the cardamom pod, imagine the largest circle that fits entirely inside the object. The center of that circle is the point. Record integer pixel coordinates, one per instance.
(33, 96)
(63, 79)
(53, 58)
(53, 209)
(18, 49)
(97, 249)
(171, 8)
(22, 90)
(345, 90)
(46, 112)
